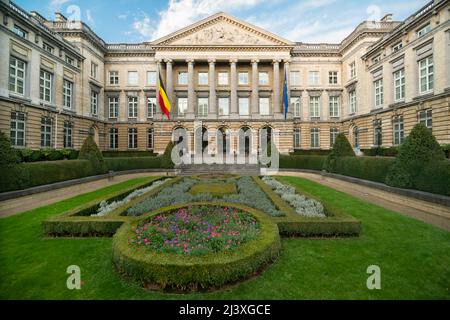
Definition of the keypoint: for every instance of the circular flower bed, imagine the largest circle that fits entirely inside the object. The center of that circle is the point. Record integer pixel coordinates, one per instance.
(199, 247)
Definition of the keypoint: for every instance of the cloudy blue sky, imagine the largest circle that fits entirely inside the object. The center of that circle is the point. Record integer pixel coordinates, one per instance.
(297, 20)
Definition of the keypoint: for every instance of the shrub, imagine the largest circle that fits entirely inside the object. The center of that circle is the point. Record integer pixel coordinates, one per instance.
(435, 178)
(90, 151)
(124, 164)
(302, 162)
(382, 152)
(128, 154)
(341, 148)
(446, 149)
(166, 158)
(8, 155)
(69, 154)
(367, 168)
(419, 151)
(311, 152)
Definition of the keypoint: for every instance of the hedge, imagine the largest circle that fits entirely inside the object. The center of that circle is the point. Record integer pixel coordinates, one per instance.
(311, 152)
(195, 273)
(435, 178)
(124, 164)
(302, 162)
(366, 168)
(128, 154)
(382, 152)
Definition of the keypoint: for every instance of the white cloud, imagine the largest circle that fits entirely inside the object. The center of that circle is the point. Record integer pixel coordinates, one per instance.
(89, 17)
(143, 27)
(55, 5)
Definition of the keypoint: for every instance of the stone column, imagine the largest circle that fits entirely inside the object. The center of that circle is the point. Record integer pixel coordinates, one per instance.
(191, 89)
(276, 86)
(169, 80)
(233, 87)
(212, 88)
(255, 87)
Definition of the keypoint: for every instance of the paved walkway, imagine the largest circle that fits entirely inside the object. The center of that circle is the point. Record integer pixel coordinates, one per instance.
(434, 214)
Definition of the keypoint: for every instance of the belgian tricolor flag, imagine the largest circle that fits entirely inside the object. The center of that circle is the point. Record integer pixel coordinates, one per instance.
(163, 101)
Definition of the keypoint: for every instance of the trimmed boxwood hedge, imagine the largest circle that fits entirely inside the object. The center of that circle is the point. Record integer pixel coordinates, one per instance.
(310, 152)
(302, 162)
(128, 154)
(367, 168)
(196, 273)
(435, 178)
(124, 164)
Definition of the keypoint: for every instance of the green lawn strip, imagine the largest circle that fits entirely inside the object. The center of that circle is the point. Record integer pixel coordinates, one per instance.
(413, 257)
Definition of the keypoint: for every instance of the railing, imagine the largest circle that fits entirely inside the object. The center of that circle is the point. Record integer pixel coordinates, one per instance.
(126, 46)
(19, 10)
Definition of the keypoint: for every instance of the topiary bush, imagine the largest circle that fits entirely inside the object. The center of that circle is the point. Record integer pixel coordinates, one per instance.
(341, 148)
(90, 151)
(166, 158)
(124, 164)
(419, 151)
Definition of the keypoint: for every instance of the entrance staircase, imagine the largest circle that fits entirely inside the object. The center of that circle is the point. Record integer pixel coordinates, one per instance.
(239, 169)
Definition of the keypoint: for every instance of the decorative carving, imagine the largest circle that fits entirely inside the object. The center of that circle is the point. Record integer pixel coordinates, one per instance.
(222, 35)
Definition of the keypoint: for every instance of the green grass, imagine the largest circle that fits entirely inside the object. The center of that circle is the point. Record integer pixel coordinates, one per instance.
(215, 189)
(414, 259)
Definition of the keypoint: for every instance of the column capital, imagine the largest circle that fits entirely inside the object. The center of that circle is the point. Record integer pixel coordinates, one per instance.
(190, 61)
(233, 60)
(159, 61)
(276, 61)
(287, 61)
(255, 60)
(168, 61)
(211, 61)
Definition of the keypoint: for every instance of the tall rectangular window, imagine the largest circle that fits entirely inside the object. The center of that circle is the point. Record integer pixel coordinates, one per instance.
(132, 138)
(182, 106)
(333, 134)
(20, 31)
(151, 78)
(314, 78)
(46, 86)
(46, 132)
(352, 102)
(17, 133)
(399, 85)
(151, 107)
(203, 78)
(17, 70)
(94, 103)
(263, 78)
(202, 110)
(132, 107)
(296, 107)
(114, 77)
(335, 106)
(333, 77)
(244, 107)
(243, 78)
(133, 78)
(222, 78)
(113, 107)
(297, 138)
(113, 138)
(398, 132)
(182, 78)
(379, 93)
(68, 131)
(352, 70)
(426, 75)
(315, 138)
(426, 118)
(67, 94)
(377, 133)
(264, 106)
(150, 138)
(224, 106)
(424, 30)
(295, 78)
(314, 107)
(94, 70)
(47, 47)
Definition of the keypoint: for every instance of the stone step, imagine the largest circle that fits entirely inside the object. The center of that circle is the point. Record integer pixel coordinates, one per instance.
(222, 169)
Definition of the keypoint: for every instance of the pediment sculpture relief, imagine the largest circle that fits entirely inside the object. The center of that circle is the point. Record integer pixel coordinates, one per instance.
(222, 35)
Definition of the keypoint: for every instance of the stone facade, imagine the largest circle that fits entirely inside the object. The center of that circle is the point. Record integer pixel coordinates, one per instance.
(223, 74)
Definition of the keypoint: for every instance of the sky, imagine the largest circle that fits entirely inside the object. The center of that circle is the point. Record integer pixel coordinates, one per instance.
(311, 21)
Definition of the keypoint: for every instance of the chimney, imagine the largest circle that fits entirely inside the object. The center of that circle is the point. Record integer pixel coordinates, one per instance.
(59, 17)
(387, 18)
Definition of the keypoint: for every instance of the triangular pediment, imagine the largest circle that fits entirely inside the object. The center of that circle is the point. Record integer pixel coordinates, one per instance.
(222, 30)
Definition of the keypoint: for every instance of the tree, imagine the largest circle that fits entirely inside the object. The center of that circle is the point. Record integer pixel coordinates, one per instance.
(419, 151)
(90, 151)
(8, 155)
(166, 158)
(341, 148)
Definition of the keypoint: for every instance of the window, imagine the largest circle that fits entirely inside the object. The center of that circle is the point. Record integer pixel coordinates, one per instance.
(314, 107)
(356, 137)
(376, 59)
(296, 106)
(113, 138)
(202, 107)
(426, 75)
(295, 78)
(424, 30)
(224, 106)
(67, 94)
(69, 60)
(151, 107)
(132, 138)
(264, 106)
(203, 78)
(379, 93)
(399, 85)
(335, 105)
(182, 106)
(243, 78)
(113, 107)
(183, 78)
(46, 132)
(151, 78)
(94, 103)
(150, 138)
(426, 118)
(397, 47)
(17, 69)
(315, 138)
(243, 107)
(398, 130)
(352, 70)
(333, 134)
(352, 102)
(377, 133)
(114, 77)
(297, 138)
(264, 78)
(20, 31)
(68, 130)
(314, 78)
(94, 70)
(48, 47)
(223, 78)
(45, 86)
(133, 78)
(333, 77)
(132, 107)
(17, 133)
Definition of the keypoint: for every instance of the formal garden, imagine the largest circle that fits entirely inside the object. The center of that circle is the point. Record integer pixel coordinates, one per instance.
(223, 236)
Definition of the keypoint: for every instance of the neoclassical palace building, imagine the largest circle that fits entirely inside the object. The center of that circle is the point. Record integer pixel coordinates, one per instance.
(60, 82)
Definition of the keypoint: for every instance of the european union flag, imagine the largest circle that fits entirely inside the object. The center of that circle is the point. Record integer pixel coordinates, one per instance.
(285, 96)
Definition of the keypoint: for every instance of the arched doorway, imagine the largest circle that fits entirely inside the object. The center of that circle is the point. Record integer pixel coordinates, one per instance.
(223, 141)
(179, 135)
(265, 138)
(245, 134)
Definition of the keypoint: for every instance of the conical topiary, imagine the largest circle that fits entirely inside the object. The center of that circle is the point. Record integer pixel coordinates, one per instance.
(341, 148)
(166, 158)
(90, 151)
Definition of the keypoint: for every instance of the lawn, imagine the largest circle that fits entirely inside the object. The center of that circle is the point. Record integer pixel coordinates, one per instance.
(414, 259)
